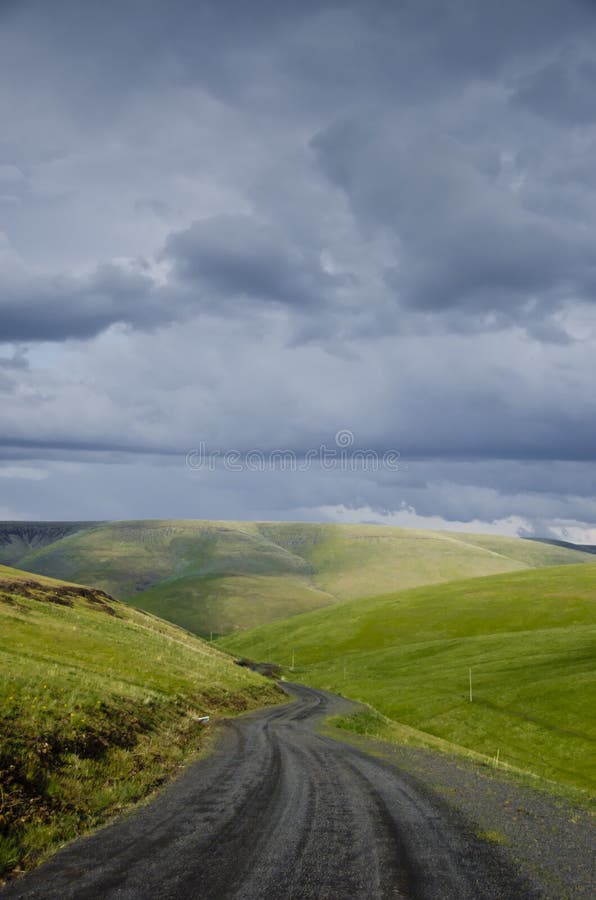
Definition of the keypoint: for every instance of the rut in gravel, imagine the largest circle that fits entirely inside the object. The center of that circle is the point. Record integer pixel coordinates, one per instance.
(281, 811)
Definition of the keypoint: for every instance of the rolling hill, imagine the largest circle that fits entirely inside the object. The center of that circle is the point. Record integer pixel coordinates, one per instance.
(529, 638)
(220, 577)
(99, 704)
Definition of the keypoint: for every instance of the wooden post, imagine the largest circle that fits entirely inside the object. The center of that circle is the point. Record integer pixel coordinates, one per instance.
(471, 695)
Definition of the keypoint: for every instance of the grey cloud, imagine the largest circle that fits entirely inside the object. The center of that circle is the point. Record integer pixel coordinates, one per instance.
(214, 263)
(238, 256)
(10, 175)
(66, 306)
(17, 360)
(121, 47)
(422, 272)
(477, 397)
(164, 487)
(465, 244)
(321, 54)
(563, 89)
(152, 205)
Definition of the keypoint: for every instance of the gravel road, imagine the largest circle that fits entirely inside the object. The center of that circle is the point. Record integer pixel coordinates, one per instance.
(280, 812)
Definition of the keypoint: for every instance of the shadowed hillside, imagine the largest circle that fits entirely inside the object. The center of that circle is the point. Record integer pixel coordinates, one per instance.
(225, 576)
(18, 539)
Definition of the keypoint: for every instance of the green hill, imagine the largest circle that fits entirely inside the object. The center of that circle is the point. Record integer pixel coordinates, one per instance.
(98, 705)
(225, 576)
(529, 638)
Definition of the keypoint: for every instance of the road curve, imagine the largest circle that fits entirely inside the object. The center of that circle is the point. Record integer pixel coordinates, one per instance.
(280, 812)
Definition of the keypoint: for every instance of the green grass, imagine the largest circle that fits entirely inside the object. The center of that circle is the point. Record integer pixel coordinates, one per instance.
(98, 706)
(220, 605)
(224, 576)
(528, 552)
(494, 837)
(529, 638)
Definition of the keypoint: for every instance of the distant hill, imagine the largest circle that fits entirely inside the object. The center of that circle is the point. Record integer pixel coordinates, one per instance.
(222, 577)
(18, 539)
(529, 638)
(584, 548)
(99, 704)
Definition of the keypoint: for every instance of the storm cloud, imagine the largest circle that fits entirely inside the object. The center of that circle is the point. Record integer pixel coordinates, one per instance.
(65, 306)
(253, 226)
(229, 257)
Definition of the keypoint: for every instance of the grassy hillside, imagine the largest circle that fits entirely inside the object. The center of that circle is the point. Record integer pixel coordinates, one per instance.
(529, 638)
(530, 552)
(220, 605)
(225, 576)
(98, 705)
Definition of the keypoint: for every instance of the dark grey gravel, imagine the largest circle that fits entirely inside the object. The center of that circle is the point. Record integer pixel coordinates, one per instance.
(282, 812)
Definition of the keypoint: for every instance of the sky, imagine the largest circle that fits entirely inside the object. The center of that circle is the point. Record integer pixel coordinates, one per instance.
(314, 261)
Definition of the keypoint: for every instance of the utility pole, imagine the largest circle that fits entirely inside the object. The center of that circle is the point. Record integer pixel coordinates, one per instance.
(471, 696)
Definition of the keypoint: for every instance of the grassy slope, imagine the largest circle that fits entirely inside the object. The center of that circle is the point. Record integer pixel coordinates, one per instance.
(98, 704)
(355, 560)
(225, 604)
(225, 576)
(529, 638)
(529, 552)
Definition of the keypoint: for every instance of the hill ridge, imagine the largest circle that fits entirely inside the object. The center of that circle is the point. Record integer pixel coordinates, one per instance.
(478, 547)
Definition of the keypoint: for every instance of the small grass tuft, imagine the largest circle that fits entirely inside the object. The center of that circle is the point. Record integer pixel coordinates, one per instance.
(494, 837)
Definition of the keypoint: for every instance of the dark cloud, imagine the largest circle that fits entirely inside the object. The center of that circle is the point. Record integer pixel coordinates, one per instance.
(67, 306)
(214, 263)
(238, 256)
(562, 90)
(121, 47)
(464, 243)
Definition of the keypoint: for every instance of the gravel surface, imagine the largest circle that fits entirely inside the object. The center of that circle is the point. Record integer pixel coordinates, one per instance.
(282, 812)
(551, 839)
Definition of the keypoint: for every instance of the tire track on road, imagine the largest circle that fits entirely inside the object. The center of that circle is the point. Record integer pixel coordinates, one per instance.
(281, 812)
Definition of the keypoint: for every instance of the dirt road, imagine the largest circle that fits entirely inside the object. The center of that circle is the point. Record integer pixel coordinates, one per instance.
(280, 812)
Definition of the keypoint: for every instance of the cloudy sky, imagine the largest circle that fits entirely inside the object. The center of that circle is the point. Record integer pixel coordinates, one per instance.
(235, 227)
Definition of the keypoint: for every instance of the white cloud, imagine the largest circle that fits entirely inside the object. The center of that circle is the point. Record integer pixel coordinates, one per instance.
(407, 517)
